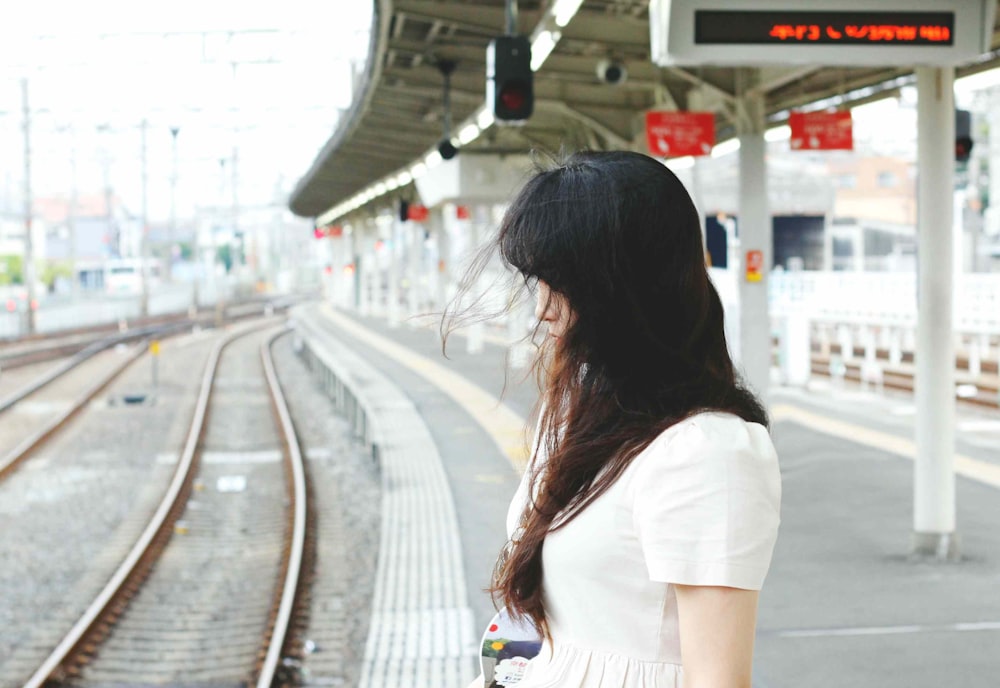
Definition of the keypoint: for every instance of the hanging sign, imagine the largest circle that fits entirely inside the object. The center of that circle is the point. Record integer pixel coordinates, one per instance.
(823, 130)
(328, 231)
(671, 134)
(848, 32)
(417, 213)
(755, 266)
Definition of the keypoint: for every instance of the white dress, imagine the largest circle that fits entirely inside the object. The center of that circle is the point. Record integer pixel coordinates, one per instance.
(699, 506)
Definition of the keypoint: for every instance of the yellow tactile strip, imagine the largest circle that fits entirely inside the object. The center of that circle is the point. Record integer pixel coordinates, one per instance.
(974, 469)
(421, 631)
(506, 426)
(502, 423)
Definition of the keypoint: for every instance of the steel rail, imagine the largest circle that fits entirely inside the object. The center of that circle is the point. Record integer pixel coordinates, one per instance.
(987, 396)
(84, 354)
(141, 557)
(13, 353)
(15, 457)
(279, 626)
(12, 460)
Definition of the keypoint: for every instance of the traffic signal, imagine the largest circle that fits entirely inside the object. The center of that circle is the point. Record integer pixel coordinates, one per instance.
(963, 135)
(404, 210)
(509, 79)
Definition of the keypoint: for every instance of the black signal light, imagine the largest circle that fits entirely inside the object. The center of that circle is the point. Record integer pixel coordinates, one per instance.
(509, 79)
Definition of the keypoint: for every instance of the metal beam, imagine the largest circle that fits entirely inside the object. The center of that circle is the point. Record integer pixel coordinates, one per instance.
(483, 19)
(432, 93)
(604, 130)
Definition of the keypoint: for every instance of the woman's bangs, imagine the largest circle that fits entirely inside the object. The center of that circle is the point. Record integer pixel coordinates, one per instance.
(520, 245)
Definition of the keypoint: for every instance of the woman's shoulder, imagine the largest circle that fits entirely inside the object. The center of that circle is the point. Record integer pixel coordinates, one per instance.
(706, 502)
(708, 436)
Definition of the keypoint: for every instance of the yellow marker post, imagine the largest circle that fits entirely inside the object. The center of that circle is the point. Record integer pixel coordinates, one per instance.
(154, 351)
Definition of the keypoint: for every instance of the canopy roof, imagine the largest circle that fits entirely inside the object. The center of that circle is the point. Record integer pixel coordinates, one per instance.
(397, 113)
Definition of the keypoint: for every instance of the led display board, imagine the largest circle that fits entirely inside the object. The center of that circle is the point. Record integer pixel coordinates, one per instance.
(858, 32)
(835, 28)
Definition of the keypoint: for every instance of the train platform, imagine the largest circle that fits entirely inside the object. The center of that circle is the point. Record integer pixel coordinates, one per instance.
(844, 604)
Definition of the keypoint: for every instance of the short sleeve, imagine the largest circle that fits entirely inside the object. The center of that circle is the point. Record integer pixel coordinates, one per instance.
(707, 503)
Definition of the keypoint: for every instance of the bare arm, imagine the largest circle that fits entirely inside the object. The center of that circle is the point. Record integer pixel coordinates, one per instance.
(717, 634)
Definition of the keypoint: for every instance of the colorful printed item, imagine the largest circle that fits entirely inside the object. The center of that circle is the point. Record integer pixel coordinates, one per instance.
(506, 648)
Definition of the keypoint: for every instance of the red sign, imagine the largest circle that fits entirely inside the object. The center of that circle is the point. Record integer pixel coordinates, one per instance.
(417, 213)
(462, 212)
(822, 130)
(671, 134)
(328, 231)
(755, 266)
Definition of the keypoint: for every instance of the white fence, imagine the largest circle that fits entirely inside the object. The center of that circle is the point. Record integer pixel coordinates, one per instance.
(870, 311)
(880, 299)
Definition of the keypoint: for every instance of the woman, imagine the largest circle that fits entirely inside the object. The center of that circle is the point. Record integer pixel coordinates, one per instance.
(644, 527)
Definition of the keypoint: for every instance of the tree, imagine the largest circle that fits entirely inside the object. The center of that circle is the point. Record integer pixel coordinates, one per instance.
(11, 270)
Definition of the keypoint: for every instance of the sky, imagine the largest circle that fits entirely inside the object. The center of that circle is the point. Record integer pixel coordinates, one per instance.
(267, 79)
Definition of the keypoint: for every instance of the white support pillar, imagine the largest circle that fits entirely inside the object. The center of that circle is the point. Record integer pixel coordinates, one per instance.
(755, 235)
(958, 237)
(858, 248)
(828, 242)
(442, 270)
(343, 278)
(696, 102)
(368, 269)
(396, 232)
(351, 279)
(476, 331)
(934, 475)
(336, 273)
(414, 255)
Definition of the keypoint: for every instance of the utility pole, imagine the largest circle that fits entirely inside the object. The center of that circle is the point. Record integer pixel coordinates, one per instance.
(173, 207)
(71, 218)
(114, 235)
(144, 236)
(236, 205)
(215, 246)
(276, 235)
(28, 271)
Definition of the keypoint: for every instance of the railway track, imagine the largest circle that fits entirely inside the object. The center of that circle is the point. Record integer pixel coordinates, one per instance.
(40, 348)
(55, 399)
(77, 353)
(981, 391)
(208, 591)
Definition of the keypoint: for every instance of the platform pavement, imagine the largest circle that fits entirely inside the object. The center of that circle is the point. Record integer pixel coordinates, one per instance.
(843, 606)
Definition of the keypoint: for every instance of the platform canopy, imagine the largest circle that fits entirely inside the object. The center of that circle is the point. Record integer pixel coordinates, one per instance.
(396, 116)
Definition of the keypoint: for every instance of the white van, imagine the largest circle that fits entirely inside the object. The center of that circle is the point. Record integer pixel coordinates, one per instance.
(124, 276)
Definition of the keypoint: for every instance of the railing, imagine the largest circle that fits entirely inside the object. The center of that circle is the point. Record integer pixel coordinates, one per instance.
(883, 299)
(335, 380)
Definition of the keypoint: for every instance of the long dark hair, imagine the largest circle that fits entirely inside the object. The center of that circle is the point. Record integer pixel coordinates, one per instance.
(617, 235)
